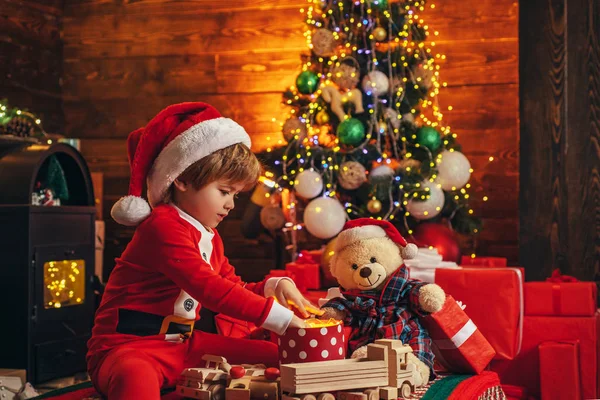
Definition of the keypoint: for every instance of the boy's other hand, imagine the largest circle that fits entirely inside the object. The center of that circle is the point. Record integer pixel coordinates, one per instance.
(286, 290)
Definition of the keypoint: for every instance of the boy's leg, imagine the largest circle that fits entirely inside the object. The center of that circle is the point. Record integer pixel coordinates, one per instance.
(128, 373)
(235, 350)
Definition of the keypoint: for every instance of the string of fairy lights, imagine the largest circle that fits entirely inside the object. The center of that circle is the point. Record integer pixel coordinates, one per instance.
(365, 29)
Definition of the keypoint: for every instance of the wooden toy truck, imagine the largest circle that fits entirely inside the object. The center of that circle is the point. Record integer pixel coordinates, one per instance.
(205, 383)
(384, 374)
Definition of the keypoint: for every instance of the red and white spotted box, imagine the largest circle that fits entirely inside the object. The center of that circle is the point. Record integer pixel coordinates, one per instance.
(298, 345)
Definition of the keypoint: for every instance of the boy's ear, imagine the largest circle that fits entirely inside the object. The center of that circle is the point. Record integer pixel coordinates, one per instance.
(180, 185)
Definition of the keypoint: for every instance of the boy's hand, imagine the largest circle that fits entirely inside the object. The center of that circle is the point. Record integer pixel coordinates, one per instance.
(297, 322)
(286, 290)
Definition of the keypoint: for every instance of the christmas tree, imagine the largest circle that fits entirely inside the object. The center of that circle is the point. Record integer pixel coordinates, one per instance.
(365, 133)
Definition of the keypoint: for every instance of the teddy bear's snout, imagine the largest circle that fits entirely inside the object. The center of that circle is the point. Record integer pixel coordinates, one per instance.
(365, 272)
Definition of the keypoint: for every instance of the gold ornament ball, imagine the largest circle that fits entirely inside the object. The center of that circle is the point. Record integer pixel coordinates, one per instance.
(328, 252)
(322, 117)
(374, 206)
(382, 127)
(380, 34)
(323, 43)
(272, 217)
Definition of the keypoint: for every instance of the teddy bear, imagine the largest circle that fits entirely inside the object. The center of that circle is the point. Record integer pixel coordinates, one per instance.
(379, 301)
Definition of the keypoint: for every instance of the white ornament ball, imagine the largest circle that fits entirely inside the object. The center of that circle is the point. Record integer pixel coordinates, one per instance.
(454, 170)
(382, 172)
(351, 175)
(376, 82)
(429, 208)
(308, 184)
(324, 217)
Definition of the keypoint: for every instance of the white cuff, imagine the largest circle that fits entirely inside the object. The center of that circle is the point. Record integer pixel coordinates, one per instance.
(279, 319)
(271, 285)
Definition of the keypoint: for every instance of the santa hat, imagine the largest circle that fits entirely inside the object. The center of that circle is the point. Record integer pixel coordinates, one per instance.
(176, 138)
(368, 228)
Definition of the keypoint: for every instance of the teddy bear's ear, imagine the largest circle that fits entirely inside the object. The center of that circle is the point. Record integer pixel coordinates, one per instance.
(332, 265)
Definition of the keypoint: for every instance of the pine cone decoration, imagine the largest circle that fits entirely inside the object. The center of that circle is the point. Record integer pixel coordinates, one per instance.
(19, 126)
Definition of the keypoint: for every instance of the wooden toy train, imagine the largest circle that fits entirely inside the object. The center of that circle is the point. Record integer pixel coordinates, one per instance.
(384, 374)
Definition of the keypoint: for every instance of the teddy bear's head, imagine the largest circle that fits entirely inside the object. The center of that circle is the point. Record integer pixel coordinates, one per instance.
(367, 253)
(366, 264)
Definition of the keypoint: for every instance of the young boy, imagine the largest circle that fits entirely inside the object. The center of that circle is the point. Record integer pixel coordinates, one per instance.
(194, 163)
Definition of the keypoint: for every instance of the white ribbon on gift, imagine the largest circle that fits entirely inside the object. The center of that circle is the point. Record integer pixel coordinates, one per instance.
(459, 337)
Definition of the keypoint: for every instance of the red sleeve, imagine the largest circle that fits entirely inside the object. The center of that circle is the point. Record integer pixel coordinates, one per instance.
(170, 248)
(227, 270)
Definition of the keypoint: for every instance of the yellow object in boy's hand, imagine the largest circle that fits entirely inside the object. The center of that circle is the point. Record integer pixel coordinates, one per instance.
(314, 311)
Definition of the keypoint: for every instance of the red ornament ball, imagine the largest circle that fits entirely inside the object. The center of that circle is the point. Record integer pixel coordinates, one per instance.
(237, 372)
(439, 236)
(272, 374)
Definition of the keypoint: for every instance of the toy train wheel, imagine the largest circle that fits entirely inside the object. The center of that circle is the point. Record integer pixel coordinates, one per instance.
(405, 391)
(308, 397)
(326, 396)
(217, 391)
(372, 394)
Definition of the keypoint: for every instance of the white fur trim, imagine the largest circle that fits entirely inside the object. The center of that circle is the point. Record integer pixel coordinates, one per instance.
(130, 210)
(410, 251)
(279, 319)
(190, 146)
(349, 236)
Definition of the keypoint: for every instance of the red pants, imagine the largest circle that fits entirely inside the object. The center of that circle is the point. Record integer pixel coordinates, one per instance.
(138, 370)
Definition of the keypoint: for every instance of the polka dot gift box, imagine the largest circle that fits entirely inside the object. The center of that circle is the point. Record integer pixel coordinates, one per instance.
(322, 340)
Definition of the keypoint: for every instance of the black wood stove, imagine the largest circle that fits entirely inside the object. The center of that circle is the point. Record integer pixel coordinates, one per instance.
(46, 261)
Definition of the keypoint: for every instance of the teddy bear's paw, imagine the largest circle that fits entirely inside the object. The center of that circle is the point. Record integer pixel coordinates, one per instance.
(421, 367)
(431, 298)
(330, 312)
(361, 352)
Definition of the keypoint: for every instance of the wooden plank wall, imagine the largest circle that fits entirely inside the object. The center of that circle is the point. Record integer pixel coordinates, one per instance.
(560, 132)
(31, 58)
(124, 61)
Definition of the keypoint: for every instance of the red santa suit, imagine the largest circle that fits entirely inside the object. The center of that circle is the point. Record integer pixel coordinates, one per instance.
(172, 267)
(143, 335)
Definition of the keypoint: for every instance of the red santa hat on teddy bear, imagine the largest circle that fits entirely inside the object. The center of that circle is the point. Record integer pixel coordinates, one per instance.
(368, 228)
(176, 138)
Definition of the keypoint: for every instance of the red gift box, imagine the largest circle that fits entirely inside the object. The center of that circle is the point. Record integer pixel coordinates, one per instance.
(306, 271)
(280, 273)
(492, 262)
(577, 299)
(524, 370)
(494, 300)
(457, 343)
(559, 370)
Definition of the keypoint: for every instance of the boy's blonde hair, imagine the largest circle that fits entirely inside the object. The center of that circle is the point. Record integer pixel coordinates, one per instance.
(233, 164)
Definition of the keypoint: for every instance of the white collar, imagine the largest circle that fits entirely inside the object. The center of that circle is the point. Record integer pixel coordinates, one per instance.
(195, 223)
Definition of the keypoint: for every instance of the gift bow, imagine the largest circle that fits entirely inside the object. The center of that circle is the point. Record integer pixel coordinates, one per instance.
(557, 277)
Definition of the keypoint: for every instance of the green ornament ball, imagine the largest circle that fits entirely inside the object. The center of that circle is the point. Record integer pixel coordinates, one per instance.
(351, 132)
(307, 82)
(429, 137)
(381, 4)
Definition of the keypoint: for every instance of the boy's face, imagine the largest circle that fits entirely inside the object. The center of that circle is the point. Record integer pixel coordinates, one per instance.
(208, 205)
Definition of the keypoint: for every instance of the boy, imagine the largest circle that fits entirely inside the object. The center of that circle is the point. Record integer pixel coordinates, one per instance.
(194, 163)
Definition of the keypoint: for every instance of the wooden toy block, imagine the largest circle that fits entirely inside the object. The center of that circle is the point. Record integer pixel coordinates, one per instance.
(388, 393)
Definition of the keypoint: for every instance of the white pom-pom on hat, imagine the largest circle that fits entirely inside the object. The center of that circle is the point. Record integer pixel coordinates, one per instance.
(130, 210)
